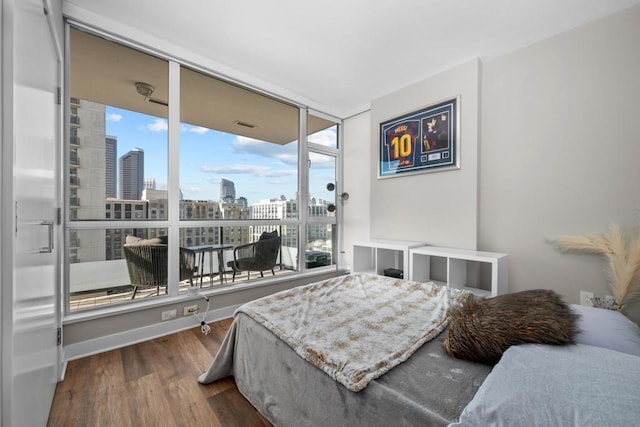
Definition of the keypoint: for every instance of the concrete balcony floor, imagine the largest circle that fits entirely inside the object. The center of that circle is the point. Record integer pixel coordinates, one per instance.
(123, 294)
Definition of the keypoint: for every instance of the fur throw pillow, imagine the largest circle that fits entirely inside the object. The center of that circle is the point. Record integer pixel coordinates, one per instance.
(482, 330)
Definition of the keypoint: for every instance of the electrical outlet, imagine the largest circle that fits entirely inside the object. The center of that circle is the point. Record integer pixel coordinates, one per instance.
(586, 298)
(169, 314)
(190, 309)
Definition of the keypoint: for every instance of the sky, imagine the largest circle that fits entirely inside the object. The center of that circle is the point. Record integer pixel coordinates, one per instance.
(259, 170)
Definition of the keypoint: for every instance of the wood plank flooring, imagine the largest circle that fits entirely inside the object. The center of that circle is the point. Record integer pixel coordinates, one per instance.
(152, 384)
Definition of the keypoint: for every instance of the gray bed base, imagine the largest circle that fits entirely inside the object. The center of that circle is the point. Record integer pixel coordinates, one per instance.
(429, 389)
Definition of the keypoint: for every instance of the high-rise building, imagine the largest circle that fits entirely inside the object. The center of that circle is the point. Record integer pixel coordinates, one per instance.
(318, 233)
(275, 209)
(111, 163)
(87, 186)
(227, 191)
(132, 175)
(122, 210)
(207, 209)
(243, 201)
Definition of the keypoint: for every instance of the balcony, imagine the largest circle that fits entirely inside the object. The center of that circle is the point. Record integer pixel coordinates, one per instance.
(74, 120)
(74, 160)
(102, 283)
(74, 202)
(74, 140)
(74, 181)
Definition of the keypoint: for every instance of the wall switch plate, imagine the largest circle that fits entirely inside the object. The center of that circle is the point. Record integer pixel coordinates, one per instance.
(169, 314)
(586, 298)
(190, 309)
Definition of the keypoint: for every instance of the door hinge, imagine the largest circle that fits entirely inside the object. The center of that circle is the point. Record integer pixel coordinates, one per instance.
(59, 96)
(59, 336)
(58, 216)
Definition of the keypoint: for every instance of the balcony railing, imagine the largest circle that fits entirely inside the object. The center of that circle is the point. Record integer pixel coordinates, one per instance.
(74, 181)
(74, 201)
(74, 140)
(101, 283)
(74, 120)
(74, 161)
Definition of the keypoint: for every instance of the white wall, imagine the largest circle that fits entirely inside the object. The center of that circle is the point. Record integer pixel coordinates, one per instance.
(560, 150)
(438, 208)
(357, 164)
(549, 146)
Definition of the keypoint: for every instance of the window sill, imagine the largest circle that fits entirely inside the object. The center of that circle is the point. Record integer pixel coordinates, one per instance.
(155, 302)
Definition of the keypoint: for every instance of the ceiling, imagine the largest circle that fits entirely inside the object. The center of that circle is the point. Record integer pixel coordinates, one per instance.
(108, 73)
(338, 55)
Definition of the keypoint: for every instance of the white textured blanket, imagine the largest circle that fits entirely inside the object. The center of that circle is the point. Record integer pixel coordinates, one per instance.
(357, 327)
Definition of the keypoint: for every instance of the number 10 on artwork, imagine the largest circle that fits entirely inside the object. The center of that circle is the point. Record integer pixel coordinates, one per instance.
(401, 143)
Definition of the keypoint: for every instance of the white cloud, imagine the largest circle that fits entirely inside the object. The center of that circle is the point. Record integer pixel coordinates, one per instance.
(159, 125)
(288, 159)
(286, 153)
(114, 117)
(322, 161)
(195, 129)
(193, 189)
(256, 170)
(325, 137)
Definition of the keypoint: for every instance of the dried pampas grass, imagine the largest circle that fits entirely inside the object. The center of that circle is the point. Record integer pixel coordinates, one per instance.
(623, 258)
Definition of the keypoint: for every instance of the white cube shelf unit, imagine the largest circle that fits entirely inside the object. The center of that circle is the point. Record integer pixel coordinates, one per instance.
(465, 269)
(375, 256)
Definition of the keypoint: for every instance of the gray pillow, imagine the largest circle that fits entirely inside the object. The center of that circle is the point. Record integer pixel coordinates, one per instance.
(545, 385)
(607, 328)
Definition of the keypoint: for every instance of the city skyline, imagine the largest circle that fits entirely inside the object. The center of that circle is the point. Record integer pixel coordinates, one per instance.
(259, 170)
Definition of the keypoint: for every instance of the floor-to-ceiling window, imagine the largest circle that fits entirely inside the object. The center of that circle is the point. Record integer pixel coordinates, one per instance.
(157, 202)
(325, 202)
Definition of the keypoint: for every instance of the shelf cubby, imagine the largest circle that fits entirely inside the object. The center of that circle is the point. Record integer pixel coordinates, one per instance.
(376, 256)
(483, 273)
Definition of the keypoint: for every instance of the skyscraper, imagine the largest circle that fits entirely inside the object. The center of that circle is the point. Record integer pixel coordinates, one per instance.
(227, 191)
(132, 175)
(111, 150)
(86, 177)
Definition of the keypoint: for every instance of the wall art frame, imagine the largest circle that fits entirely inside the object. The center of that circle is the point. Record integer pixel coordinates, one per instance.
(425, 140)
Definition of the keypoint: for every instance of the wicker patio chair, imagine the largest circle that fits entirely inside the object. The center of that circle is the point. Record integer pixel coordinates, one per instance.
(257, 256)
(147, 265)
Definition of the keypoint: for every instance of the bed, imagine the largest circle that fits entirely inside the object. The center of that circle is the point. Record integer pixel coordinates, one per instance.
(426, 386)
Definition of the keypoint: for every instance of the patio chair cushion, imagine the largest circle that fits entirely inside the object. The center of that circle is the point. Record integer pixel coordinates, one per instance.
(138, 241)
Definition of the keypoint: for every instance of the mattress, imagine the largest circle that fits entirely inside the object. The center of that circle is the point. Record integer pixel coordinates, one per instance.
(429, 389)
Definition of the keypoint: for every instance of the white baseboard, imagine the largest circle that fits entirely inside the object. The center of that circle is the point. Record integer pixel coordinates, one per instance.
(134, 336)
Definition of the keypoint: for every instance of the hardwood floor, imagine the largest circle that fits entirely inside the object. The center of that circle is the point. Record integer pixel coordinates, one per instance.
(152, 384)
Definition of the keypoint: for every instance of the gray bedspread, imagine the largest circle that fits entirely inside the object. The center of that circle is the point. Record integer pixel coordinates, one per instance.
(429, 389)
(357, 327)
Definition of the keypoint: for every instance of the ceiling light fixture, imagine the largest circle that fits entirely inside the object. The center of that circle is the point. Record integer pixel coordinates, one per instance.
(146, 90)
(245, 124)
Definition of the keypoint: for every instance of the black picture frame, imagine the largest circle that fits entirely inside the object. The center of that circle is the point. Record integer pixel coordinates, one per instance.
(426, 140)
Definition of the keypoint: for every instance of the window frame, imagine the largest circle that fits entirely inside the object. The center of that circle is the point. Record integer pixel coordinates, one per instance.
(173, 223)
